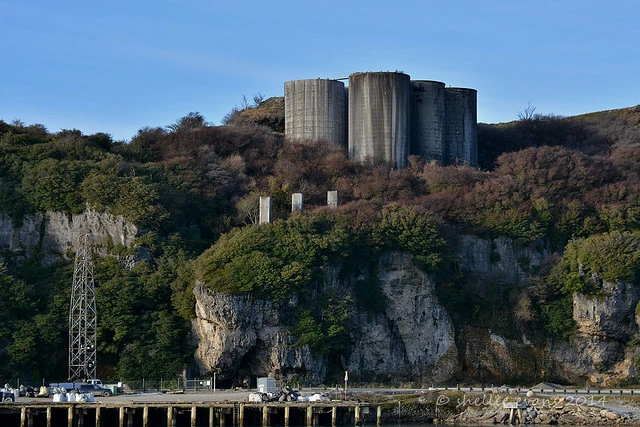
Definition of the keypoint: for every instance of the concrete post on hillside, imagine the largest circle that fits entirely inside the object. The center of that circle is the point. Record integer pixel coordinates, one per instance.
(332, 199)
(265, 210)
(296, 202)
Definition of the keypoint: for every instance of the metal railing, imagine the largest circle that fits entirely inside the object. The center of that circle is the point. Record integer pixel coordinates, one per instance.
(160, 385)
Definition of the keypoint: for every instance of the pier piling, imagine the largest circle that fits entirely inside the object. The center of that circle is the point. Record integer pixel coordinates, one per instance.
(192, 414)
(170, 419)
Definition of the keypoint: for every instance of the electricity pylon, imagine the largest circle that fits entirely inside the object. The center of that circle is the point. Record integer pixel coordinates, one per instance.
(83, 322)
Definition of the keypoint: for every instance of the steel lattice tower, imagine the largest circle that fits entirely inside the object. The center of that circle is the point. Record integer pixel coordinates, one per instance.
(82, 317)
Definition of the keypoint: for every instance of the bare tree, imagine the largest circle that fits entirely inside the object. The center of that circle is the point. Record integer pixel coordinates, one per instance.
(528, 113)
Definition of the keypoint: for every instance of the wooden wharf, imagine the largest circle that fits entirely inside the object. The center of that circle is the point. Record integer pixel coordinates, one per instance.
(186, 414)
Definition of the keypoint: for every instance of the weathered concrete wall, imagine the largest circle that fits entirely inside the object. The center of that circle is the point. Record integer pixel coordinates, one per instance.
(332, 198)
(265, 210)
(316, 109)
(385, 116)
(379, 117)
(427, 120)
(297, 202)
(461, 126)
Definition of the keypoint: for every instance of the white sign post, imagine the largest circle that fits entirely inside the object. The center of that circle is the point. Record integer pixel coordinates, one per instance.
(346, 379)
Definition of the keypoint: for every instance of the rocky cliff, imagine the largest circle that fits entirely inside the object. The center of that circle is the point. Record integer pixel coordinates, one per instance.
(606, 324)
(244, 337)
(55, 234)
(499, 259)
(414, 339)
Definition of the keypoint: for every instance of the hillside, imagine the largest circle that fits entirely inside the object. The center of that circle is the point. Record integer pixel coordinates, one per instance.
(546, 181)
(611, 133)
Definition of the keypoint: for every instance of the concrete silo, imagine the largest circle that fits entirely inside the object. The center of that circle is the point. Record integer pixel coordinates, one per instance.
(316, 109)
(379, 117)
(428, 119)
(461, 126)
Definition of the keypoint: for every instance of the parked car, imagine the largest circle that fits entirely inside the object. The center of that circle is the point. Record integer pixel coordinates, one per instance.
(93, 388)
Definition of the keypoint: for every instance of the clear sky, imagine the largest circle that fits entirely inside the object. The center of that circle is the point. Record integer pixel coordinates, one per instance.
(118, 66)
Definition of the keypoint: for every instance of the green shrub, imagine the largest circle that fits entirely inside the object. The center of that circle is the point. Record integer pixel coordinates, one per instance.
(271, 260)
(325, 329)
(558, 317)
(609, 256)
(612, 256)
(407, 229)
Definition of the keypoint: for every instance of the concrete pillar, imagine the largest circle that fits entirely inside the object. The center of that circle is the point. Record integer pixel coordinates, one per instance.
(23, 416)
(265, 210)
(309, 416)
(332, 199)
(49, 416)
(241, 415)
(70, 416)
(97, 417)
(145, 416)
(265, 416)
(170, 419)
(297, 202)
(211, 416)
(193, 416)
(121, 416)
(287, 410)
(334, 416)
(357, 416)
(379, 416)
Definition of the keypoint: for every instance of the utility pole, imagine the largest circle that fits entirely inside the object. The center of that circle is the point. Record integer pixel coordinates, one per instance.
(83, 321)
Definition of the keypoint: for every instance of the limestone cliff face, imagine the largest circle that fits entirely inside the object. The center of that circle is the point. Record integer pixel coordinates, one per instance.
(609, 315)
(413, 339)
(56, 235)
(244, 337)
(499, 258)
(606, 322)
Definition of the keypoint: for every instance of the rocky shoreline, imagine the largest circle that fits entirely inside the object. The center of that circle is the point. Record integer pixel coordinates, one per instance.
(551, 411)
(501, 408)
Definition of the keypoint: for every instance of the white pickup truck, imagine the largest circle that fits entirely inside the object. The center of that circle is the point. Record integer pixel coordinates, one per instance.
(91, 386)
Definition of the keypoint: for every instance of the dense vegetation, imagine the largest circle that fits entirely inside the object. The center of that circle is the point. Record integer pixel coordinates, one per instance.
(192, 190)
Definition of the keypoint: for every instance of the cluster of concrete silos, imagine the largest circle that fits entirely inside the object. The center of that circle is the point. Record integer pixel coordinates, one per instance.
(386, 116)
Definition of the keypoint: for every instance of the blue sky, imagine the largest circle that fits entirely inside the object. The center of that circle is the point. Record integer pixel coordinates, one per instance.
(119, 66)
